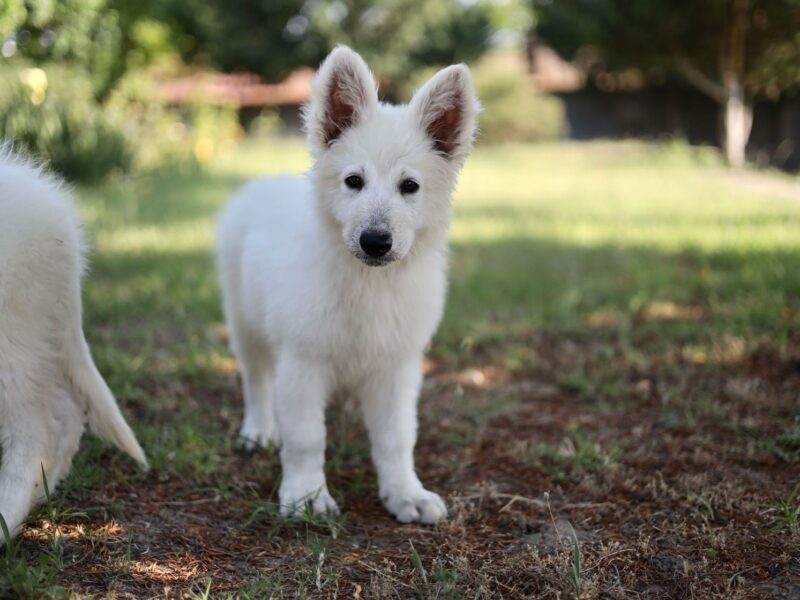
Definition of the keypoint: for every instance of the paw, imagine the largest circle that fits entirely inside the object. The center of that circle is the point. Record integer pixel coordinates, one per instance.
(258, 435)
(297, 498)
(418, 505)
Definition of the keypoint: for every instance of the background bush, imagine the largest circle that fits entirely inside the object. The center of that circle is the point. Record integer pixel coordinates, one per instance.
(52, 113)
(513, 111)
(162, 136)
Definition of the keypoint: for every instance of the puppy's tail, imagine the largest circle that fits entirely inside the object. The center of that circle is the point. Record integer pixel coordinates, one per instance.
(105, 418)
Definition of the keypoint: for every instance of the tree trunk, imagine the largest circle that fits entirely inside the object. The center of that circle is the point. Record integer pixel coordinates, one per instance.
(738, 121)
(738, 117)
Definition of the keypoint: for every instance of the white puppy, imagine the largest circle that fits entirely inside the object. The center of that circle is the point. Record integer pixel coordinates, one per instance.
(336, 282)
(49, 386)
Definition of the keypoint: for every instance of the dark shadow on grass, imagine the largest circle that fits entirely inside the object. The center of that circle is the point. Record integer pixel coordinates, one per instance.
(498, 288)
(152, 286)
(501, 288)
(164, 199)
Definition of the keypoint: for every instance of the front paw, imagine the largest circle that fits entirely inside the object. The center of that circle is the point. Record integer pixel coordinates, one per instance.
(417, 505)
(298, 497)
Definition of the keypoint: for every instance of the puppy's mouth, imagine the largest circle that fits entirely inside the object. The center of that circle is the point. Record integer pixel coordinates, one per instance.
(377, 262)
(373, 261)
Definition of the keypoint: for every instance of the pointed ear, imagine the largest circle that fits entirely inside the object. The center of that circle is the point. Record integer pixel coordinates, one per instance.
(342, 92)
(447, 110)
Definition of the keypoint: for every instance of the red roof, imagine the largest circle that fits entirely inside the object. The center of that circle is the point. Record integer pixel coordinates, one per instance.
(237, 89)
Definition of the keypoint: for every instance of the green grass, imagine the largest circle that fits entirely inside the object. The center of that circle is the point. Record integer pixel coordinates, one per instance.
(573, 456)
(639, 260)
(788, 511)
(552, 235)
(26, 576)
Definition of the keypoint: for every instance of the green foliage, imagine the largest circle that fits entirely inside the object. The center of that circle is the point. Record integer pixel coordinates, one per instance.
(53, 115)
(89, 35)
(267, 38)
(658, 36)
(12, 15)
(513, 111)
(81, 94)
(98, 111)
(398, 38)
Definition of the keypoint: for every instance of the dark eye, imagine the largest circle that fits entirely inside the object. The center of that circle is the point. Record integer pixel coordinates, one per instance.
(354, 182)
(408, 186)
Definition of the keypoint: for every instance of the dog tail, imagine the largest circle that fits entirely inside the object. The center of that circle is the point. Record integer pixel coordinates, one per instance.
(105, 418)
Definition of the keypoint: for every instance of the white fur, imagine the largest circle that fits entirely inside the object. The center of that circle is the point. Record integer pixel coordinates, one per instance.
(308, 316)
(49, 386)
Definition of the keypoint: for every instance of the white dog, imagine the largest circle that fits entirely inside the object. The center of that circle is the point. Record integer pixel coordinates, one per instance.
(336, 282)
(49, 386)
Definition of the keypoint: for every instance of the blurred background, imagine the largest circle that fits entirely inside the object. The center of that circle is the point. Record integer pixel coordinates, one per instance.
(101, 86)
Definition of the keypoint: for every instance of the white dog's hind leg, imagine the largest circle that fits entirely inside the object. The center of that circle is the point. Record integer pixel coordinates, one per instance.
(389, 403)
(28, 447)
(68, 426)
(301, 388)
(259, 428)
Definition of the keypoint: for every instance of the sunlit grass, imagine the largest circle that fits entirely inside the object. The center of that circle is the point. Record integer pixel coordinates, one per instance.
(625, 194)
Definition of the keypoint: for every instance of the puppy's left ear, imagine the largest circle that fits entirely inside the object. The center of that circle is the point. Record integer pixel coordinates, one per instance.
(447, 110)
(343, 92)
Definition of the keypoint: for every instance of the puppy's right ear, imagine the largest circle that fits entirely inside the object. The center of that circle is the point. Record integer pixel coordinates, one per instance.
(343, 92)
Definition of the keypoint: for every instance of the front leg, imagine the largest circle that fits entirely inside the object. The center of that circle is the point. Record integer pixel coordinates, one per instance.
(301, 388)
(389, 401)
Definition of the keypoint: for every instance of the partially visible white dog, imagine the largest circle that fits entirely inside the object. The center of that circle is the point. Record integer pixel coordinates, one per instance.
(336, 282)
(49, 386)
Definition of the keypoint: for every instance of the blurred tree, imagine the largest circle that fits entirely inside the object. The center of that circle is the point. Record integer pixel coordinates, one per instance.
(12, 15)
(270, 38)
(93, 35)
(397, 37)
(734, 51)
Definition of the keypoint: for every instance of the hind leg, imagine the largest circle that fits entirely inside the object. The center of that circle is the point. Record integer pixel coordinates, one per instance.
(259, 428)
(68, 425)
(28, 447)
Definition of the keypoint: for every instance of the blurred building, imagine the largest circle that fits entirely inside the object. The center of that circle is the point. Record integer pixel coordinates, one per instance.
(244, 91)
(614, 105)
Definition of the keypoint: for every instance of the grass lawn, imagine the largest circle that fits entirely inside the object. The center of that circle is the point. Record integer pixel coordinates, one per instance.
(612, 406)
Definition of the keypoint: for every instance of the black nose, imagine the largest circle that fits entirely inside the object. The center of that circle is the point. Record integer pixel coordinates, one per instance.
(375, 243)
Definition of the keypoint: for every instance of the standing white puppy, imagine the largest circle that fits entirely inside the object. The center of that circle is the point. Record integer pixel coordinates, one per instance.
(49, 386)
(336, 282)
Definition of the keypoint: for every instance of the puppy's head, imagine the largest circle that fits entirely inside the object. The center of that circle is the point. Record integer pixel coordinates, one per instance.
(384, 174)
